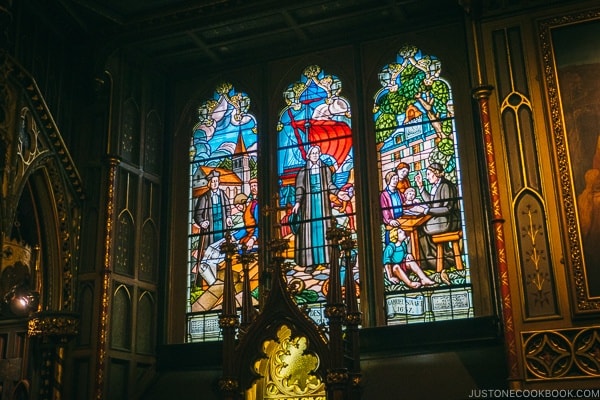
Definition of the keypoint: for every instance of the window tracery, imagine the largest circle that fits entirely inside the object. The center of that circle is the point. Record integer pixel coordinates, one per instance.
(423, 233)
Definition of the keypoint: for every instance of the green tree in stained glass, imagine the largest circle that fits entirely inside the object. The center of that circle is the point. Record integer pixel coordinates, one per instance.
(420, 185)
(414, 81)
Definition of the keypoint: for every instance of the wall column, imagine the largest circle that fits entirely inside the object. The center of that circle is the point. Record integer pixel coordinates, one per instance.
(53, 330)
(482, 94)
(103, 325)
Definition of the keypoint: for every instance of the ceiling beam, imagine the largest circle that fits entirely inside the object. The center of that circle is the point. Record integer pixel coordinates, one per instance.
(202, 46)
(294, 25)
(104, 12)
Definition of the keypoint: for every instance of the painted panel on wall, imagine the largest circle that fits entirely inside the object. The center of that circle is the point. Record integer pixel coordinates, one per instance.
(571, 71)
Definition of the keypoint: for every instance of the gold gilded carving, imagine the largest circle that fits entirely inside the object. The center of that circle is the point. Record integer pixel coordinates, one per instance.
(69, 236)
(356, 380)
(586, 346)
(106, 279)
(538, 278)
(354, 319)
(289, 369)
(559, 109)
(557, 354)
(33, 142)
(228, 384)
(226, 321)
(548, 355)
(335, 311)
(337, 377)
(58, 326)
(28, 141)
(14, 251)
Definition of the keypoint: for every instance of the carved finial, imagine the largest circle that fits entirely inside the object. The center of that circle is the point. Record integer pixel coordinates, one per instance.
(228, 247)
(248, 311)
(335, 233)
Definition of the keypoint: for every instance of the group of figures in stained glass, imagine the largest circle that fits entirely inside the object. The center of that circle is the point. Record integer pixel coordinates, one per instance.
(423, 243)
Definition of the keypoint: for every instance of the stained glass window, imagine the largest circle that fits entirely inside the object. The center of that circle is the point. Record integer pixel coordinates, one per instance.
(316, 180)
(423, 236)
(424, 253)
(223, 200)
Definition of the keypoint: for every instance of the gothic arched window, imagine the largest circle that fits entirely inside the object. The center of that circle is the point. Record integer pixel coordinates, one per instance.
(420, 260)
(315, 180)
(423, 235)
(223, 200)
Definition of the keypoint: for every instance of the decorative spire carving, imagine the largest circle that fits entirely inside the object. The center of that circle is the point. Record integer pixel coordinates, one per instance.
(247, 364)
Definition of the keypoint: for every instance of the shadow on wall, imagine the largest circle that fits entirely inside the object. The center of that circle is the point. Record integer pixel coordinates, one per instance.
(185, 385)
(449, 375)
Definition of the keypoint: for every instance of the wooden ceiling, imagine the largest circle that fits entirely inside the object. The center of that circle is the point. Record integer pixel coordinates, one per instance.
(184, 35)
(181, 35)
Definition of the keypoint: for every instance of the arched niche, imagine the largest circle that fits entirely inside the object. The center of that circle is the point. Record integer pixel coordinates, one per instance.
(41, 191)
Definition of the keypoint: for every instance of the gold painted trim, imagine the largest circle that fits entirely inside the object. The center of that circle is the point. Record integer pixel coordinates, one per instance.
(58, 326)
(482, 94)
(583, 303)
(103, 323)
(570, 353)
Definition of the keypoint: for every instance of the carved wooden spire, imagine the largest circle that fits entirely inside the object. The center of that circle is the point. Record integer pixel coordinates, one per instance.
(353, 320)
(228, 322)
(282, 335)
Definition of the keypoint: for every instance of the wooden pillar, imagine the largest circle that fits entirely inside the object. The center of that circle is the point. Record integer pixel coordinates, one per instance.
(228, 322)
(352, 321)
(105, 276)
(248, 312)
(335, 311)
(53, 331)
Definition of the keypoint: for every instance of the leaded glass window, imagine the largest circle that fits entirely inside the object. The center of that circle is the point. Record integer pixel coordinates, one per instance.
(424, 256)
(423, 236)
(223, 200)
(316, 180)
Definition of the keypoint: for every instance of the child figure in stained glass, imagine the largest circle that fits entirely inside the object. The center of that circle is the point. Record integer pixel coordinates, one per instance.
(411, 205)
(246, 233)
(399, 263)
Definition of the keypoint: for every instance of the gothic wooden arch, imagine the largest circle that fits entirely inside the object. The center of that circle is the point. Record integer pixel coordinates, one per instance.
(41, 185)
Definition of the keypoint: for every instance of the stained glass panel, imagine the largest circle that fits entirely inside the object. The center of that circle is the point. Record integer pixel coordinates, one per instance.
(316, 180)
(223, 200)
(424, 242)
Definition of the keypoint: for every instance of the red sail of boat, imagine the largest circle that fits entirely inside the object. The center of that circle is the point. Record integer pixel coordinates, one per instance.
(333, 137)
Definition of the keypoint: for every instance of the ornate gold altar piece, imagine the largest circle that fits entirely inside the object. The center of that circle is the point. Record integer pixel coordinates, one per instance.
(280, 352)
(289, 370)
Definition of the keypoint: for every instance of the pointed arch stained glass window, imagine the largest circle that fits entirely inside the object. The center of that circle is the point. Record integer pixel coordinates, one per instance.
(316, 179)
(426, 270)
(223, 199)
